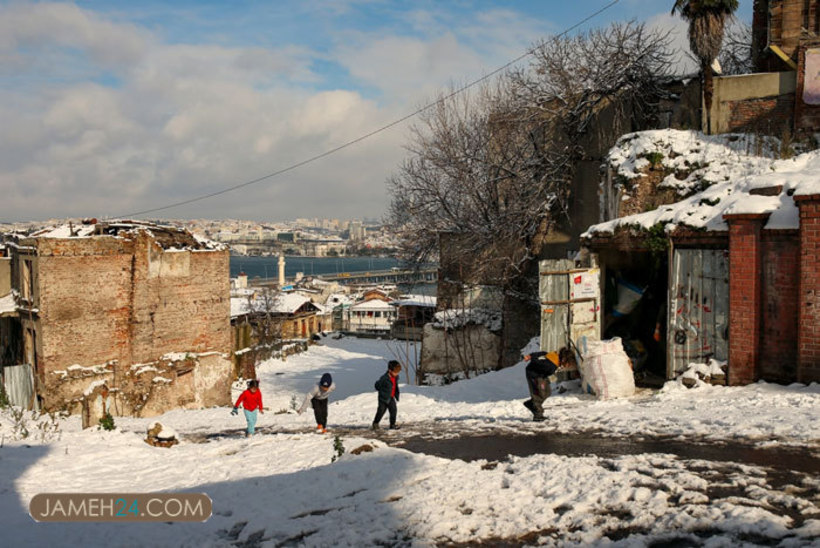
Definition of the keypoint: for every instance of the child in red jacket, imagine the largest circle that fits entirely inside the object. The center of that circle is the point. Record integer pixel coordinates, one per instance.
(251, 400)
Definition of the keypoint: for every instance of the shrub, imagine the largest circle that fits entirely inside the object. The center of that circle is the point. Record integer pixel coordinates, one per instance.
(107, 422)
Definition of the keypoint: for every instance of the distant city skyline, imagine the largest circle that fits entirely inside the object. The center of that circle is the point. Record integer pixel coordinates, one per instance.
(113, 107)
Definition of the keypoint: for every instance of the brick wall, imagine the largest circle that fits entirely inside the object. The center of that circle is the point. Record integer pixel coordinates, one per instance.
(181, 301)
(83, 300)
(808, 340)
(778, 356)
(110, 303)
(767, 115)
(745, 296)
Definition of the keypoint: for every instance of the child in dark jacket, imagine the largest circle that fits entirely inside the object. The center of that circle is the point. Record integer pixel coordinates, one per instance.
(538, 371)
(317, 398)
(251, 401)
(388, 387)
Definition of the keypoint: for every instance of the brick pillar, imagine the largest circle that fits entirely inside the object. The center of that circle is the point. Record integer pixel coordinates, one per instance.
(808, 321)
(745, 296)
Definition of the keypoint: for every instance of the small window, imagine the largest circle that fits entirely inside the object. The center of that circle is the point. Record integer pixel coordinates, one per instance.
(378, 314)
(27, 284)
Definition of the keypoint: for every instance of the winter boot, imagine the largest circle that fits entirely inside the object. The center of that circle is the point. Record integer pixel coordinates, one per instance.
(529, 405)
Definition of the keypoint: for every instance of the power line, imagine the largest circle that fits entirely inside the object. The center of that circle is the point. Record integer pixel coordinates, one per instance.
(334, 150)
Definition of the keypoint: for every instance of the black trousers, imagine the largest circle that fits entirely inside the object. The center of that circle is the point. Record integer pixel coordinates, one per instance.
(319, 411)
(539, 391)
(391, 405)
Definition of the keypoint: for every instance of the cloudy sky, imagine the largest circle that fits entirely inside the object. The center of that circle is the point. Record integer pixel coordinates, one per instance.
(108, 108)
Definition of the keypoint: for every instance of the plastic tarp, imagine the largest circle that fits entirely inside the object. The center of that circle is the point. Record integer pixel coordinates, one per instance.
(18, 382)
(605, 369)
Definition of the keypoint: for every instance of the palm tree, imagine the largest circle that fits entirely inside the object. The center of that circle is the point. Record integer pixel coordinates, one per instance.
(707, 20)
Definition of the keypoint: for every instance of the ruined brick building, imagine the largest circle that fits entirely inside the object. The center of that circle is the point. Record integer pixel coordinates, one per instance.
(137, 312)
(782, 95)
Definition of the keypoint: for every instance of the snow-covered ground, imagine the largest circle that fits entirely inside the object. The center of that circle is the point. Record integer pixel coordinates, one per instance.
(280, 488)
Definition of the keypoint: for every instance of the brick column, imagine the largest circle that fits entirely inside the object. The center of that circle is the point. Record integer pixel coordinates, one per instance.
(808, 321)
(745, 296)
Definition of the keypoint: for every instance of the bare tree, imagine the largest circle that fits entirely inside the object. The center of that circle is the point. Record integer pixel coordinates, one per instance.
(491, 170)
(736, 53)
(266, 321)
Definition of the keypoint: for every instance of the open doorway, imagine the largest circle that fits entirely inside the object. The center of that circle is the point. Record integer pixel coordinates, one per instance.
(635, 285)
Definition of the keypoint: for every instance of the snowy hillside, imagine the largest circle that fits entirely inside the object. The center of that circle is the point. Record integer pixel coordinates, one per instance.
(279, 487)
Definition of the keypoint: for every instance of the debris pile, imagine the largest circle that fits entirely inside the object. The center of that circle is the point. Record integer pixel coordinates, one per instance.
(713, 372)
(161, 436)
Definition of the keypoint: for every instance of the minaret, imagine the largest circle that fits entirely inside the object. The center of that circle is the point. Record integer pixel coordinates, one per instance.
(281, 270)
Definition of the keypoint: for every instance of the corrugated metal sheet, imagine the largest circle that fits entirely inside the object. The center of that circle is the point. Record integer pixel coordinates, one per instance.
(698, 314)
(18, 381)
(570, 303)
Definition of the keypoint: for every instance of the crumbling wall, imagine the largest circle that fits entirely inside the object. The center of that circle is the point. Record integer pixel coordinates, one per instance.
(124, 300)
(175, 381)
(181, 301)
(83, 308)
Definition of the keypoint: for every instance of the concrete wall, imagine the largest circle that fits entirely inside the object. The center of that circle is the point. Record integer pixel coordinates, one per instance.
(762, 102)
(480, 347)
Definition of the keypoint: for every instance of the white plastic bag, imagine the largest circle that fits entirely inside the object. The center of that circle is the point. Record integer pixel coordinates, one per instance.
(605, 369)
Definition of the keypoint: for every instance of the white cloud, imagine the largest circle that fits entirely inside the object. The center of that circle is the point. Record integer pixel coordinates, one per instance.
(41, 26)
(183, 120)
(679, 40)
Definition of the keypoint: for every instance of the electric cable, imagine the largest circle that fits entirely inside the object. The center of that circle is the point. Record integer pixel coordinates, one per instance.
(361, 138)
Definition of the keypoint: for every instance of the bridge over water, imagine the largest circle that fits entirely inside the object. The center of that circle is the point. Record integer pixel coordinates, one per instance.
(392, 276)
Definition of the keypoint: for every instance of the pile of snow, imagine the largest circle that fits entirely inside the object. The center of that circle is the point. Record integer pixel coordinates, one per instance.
(739, 192)
(162, 432)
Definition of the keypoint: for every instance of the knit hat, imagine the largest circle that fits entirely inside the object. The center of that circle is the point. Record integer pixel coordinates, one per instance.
(326, 380)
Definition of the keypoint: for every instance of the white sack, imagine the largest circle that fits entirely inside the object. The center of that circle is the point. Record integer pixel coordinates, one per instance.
(605, 369)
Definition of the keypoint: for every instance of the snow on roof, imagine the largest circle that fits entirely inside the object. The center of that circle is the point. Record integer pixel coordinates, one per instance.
(337, 299)
(283, 303)
(65, 231)
(239, 306)
(737, 193)
(416, 300)
(459, 317)
(694, 160)
(168, 237)
(372, 304)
